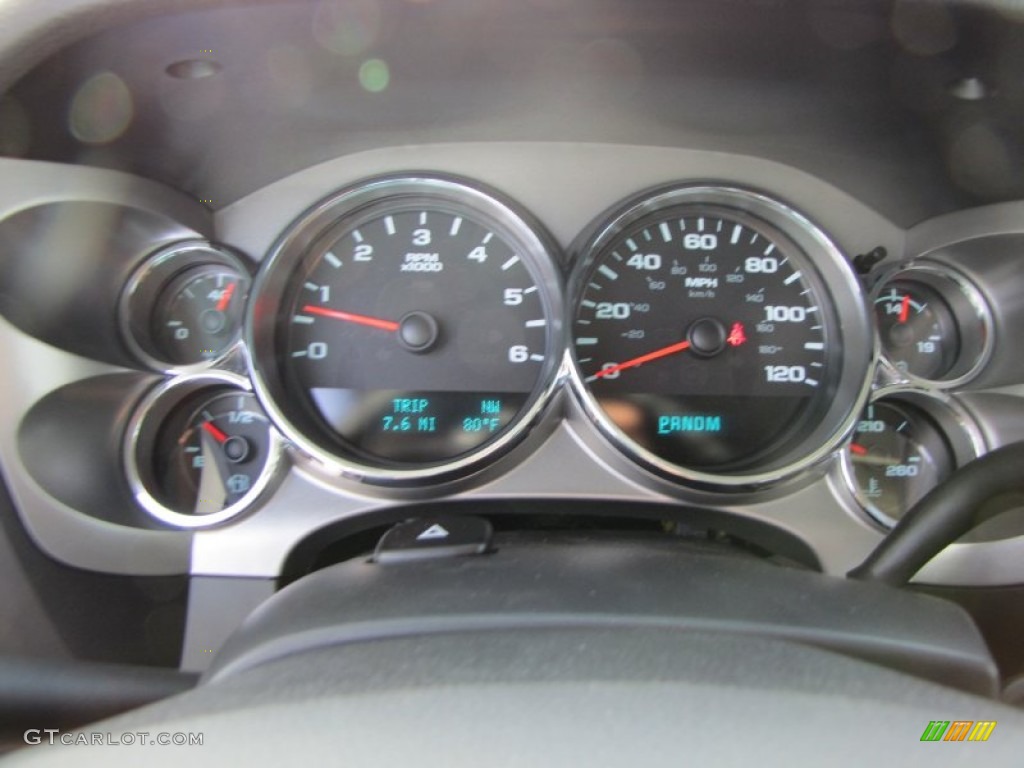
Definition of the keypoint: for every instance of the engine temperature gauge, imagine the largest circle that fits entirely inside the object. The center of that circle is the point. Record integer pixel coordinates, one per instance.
(897, 455)
(201, 457)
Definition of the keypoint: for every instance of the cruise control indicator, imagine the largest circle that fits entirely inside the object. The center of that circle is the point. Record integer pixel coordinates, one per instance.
(706, 339)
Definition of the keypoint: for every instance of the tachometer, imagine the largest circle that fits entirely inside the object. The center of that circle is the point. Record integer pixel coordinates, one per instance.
(718, 335)
(407, 328)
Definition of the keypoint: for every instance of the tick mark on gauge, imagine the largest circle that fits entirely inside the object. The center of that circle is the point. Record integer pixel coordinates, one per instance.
(302, 320)
(585, 340)
(539, 323)
(769, 249)
(608, 272)
(666, 233)
(814, 345)
(389, 224)
(595, 286)
(588, 303)
(510, 263)
(311, 287)
(811, 382)
(616, 255)
(331, 259)
(531, 289)
(537, 358)
(456, 226)
(423, 218)
(647, 235)
(487, 238)
(736, 232)
(791, 279)
(357, 235)
(300, 353)
(632, 244)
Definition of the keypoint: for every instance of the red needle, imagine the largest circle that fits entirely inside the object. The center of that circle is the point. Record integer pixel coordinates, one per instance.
(373, 322)
(225, 298)
(215, 433)
(905, 309)
(860, 450)
(658, 353)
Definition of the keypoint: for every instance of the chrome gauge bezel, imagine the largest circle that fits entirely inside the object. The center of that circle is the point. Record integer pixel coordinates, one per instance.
(967, 303)
(140, 439)
(288, 253)
(150, 279)
(960, 431)
(832, 273)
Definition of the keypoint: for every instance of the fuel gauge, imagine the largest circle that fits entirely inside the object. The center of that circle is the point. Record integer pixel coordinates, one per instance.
(201, 457)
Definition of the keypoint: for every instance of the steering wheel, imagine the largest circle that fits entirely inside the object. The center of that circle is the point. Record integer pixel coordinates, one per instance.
(571, 649)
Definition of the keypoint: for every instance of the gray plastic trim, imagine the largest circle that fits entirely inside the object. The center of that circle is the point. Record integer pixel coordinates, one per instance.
(65, 533)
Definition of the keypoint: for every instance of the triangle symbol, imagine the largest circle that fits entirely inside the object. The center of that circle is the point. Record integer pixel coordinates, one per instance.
(433, 532)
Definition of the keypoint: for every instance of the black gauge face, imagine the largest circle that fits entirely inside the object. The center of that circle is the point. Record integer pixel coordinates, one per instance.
(704, 335)
(415, 332)
(211, 454)
(184, 306)
(918, 329)
(898, 455)
(199, 315)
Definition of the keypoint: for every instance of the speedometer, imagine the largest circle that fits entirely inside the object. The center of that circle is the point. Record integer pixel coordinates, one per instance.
(408, 328)
(718, 335)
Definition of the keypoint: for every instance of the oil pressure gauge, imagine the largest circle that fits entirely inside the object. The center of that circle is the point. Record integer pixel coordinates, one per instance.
(183, 308)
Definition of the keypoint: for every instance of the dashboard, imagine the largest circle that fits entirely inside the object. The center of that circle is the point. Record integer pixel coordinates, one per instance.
(276, 276)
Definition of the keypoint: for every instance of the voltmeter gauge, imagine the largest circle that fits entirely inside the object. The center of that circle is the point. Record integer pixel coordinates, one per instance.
(918, 329)
(200, 454)
(933, 323)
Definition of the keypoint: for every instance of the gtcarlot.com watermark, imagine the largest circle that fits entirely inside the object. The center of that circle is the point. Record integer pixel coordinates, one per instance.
(126, 739)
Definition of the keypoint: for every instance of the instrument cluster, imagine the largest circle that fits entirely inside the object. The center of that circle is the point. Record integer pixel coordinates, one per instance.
(412, 329)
